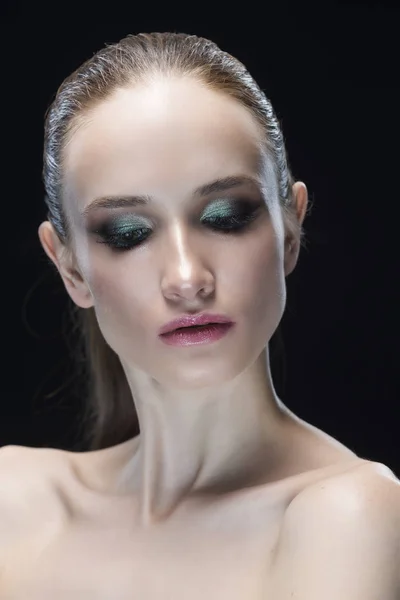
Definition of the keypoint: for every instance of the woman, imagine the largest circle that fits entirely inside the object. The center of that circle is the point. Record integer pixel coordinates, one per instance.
(173, 221)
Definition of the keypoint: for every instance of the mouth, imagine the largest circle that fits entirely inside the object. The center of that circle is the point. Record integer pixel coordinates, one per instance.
(195, 327)
(193, 335)
(191, 322)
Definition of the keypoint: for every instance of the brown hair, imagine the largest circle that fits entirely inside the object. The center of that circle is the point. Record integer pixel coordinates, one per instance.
(110, 416)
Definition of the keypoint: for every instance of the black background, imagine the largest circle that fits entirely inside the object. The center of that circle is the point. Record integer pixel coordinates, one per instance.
(332, 74)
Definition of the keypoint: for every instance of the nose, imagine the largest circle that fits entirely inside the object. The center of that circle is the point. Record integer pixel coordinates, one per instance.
(186, 277)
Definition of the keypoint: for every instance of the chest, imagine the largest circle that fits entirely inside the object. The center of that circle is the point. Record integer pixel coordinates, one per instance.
(86, 562)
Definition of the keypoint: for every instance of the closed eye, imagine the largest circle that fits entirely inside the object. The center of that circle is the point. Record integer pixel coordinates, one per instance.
(221, 216)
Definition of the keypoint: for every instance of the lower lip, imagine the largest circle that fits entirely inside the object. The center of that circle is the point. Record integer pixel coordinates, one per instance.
(196, 335)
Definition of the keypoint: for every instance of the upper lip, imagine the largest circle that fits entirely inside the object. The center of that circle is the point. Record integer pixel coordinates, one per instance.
(191, 320)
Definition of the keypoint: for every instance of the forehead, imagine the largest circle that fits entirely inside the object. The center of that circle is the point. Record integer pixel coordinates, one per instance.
(160, 139)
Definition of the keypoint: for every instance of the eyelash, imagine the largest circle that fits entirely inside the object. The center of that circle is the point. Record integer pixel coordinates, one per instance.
(233, 224)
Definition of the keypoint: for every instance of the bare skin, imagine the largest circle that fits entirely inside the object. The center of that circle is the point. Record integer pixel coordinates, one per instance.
(63, 538)
(206, 502)
(208, 414)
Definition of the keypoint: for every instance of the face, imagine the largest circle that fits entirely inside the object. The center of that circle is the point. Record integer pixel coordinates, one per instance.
(181, 248)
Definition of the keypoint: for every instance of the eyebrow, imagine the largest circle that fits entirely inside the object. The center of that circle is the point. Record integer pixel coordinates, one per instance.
(218, 185)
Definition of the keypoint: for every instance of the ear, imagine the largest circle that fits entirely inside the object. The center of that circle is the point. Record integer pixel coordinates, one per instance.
(63, 259)
(300, 195)
(292, 245)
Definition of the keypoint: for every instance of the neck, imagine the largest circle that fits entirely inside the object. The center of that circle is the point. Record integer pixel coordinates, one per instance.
(201, 442)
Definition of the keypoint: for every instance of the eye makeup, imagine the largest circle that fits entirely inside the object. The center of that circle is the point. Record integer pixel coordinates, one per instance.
(227, 215)
(223, 216)
(123, 232)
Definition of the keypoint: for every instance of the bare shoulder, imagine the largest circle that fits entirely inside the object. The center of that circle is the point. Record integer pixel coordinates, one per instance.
(340, 536)
(22, 467)
(29, 497)
(366, 483)
(365, 488)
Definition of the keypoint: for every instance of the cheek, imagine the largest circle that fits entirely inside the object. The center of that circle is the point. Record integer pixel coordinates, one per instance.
(122, 299)
(264, 288)
(258, 273)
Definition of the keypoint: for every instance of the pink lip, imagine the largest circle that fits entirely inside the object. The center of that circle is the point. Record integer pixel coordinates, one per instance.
(193, 336)
(193, 320)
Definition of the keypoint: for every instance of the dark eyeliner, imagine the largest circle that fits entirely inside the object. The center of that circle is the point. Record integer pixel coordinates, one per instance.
(123, 233)
(230, 217)
(221, 216)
